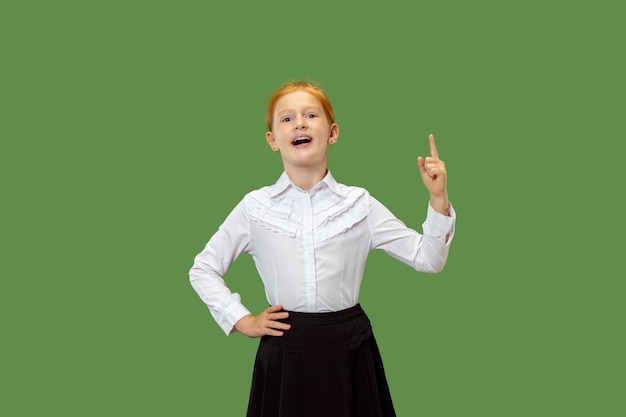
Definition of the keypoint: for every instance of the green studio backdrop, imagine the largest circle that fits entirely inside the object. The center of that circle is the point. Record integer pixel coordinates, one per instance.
(129, 130)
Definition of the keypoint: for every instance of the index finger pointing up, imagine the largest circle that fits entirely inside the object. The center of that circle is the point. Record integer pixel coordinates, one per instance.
(433, 147)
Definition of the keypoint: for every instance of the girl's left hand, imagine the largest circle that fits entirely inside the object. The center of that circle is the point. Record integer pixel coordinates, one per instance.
(433, 172)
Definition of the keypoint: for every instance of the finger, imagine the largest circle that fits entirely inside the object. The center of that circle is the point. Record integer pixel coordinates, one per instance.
(272, 332)
(278, 325)
(434, 172)
(433, 147)
(275, 328)
(277, 316)
(276, 313)
(274, 308)
(431, 161)
(421, 163)
(438, 165)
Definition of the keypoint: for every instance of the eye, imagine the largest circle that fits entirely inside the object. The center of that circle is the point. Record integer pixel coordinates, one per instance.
(311, 115)
(286, 119)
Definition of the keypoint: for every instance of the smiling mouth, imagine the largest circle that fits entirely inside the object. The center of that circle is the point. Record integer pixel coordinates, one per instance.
(300, 141)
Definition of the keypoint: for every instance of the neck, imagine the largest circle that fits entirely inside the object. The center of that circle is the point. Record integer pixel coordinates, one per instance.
(306, 178)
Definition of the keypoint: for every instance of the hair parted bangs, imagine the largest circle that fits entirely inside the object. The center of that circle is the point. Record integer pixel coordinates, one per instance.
(290, 87)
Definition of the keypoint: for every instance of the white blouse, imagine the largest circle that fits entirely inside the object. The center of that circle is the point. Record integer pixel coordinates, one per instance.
(310, 248)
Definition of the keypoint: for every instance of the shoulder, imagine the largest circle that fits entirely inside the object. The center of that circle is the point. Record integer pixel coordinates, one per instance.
(358, 204)
(266, 196)
(352, 195)
(259, 194)
(346, 192)
(351, 189)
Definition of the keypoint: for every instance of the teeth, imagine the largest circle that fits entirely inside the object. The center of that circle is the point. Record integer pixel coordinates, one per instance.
(303, 139)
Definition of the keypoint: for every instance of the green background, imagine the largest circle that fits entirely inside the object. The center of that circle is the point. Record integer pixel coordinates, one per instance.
(130, 129)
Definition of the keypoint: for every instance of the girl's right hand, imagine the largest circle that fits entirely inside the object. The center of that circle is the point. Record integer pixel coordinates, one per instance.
(264, 324)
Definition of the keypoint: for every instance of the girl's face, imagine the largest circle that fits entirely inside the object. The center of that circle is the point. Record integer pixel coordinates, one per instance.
(301, 131)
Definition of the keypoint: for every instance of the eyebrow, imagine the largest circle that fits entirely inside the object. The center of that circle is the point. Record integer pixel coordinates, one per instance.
(308, 108)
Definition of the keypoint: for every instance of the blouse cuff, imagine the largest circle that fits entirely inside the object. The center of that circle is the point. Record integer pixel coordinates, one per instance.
(231, 315)
(438, 225)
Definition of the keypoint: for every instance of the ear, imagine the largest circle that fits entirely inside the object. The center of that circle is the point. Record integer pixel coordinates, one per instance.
(269, 137)
(334, 133)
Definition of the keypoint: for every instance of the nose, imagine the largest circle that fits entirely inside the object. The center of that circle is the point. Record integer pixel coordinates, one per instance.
(300, 122)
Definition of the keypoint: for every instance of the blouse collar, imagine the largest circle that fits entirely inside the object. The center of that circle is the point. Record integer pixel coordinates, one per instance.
(284, 183)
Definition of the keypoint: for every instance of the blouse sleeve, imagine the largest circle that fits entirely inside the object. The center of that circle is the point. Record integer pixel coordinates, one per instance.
(425, 252)
(210, 266)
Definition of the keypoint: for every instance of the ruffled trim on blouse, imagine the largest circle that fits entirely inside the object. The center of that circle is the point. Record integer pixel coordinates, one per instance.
(333, 213)
(336, 217)
(274, 214)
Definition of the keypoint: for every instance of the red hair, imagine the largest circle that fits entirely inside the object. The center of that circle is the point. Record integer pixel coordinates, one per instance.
(290, 87)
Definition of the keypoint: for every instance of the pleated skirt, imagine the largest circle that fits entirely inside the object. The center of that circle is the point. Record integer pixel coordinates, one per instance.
(326, 365)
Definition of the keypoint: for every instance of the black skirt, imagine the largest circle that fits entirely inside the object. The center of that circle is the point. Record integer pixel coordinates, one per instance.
(326, 365)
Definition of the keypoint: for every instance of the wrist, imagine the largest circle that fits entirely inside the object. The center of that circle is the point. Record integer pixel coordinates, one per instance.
(241, 323)
(440, 205)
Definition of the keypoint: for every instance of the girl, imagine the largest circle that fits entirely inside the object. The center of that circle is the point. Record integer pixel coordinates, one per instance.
(309, 237)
